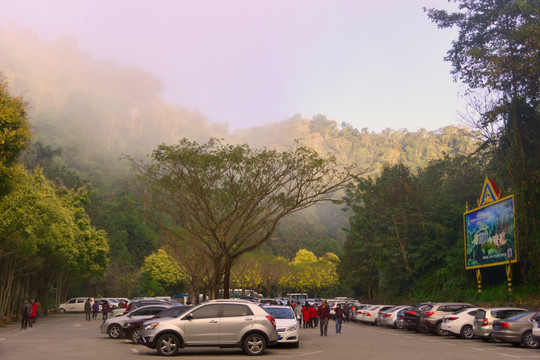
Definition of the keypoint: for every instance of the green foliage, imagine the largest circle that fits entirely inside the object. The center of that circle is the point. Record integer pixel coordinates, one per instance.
(14, 134)
(162, 268)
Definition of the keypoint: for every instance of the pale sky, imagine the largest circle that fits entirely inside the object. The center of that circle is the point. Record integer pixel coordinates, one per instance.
(376, 64)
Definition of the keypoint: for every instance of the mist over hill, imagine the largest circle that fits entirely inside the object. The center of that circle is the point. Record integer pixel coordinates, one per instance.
(94, 111)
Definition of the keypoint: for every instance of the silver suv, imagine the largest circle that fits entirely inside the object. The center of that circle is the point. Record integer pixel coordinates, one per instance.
(222, 323)
(431, 318)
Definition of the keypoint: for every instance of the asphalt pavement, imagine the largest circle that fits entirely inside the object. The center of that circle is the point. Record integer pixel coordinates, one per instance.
(71, 337)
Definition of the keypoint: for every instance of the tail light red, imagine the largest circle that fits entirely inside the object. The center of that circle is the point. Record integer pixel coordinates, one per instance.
(504, 325)
(428, 313)
(485, 322)
(412, 312)
(272, 320)
(451, 318)
(387, 315)
(368, 314)
(401, 316)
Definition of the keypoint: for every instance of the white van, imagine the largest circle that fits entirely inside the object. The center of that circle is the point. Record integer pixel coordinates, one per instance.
(74, 305)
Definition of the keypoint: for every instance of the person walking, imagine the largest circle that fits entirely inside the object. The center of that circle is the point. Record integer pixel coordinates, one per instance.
(324, 314)
(25, 314)
(105, 309)
(338, 318)
(33, 313)
(95, 310)
(87, 309)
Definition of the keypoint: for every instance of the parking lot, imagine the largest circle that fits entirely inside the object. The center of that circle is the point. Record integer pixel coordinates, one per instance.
(70, 336)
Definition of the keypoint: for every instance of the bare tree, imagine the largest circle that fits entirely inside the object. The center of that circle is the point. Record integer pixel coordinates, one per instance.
(226, 200)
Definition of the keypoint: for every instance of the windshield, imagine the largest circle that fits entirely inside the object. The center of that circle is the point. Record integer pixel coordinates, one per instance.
(281, 312)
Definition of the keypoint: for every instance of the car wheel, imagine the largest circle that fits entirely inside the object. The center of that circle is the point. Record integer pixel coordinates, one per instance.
(398, 325)
(167, 344)
(135, 336)
(114, 331)
(529, 341)
(62, 311)
(378, 322)
(254, 344)
(466, 332)
(439, 331)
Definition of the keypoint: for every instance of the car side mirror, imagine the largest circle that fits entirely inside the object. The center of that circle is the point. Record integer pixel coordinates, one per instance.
(189, 316)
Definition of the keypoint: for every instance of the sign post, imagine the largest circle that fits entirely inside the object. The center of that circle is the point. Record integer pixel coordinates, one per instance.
(490, 236)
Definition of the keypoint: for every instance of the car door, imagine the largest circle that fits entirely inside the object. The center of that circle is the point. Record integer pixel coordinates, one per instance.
(201, 326)
(234, 319)
(80, 304)
(71, 305)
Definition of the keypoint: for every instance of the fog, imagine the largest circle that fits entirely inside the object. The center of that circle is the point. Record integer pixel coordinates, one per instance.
(245, 63)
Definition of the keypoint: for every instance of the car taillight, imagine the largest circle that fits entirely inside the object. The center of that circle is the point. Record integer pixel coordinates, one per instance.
(368, 314)
(504, 325)
(412, 312)
(485, 322)
(387, 315)
(428, 313)
(401, 316)
(452, 318)
(272, 320)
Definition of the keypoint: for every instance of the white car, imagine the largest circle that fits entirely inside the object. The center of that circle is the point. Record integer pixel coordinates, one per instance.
(113, 326)
(389, 317)
(286, 324)
(74, 305)
(356, 315)
(371, 315)
(536, 327)
(460, 324)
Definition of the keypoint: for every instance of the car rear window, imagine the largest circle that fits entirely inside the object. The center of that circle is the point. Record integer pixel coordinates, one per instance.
(519, 316)
(280, 313)
(427, 308)
(480, 314)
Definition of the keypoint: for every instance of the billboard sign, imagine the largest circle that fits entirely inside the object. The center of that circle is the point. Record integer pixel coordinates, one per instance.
(490, 237)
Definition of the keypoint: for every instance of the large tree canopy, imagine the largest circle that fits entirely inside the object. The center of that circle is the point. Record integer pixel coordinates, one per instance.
(498, 51)
(226, 200)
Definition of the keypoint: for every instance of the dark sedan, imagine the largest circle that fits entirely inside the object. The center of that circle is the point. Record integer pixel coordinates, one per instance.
(131, 329)
(516, 330)
(411, 318)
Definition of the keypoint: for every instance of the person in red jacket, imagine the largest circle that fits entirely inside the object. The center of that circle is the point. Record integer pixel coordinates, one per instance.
(34, 313)
(306, 315)
(313, 316)
(324, 315)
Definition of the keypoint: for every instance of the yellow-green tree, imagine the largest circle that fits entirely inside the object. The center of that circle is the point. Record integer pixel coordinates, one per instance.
(162, 268)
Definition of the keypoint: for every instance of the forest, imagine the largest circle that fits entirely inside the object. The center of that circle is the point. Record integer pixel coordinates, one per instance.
(73, 224)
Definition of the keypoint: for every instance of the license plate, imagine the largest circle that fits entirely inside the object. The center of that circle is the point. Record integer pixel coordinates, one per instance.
(279, 337)
(495, 326)
(476, 323)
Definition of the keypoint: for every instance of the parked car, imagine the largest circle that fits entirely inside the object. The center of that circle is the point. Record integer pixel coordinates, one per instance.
(483, 320)
(134, 304)
(113, 326)
(460, 324)
(74, 304)
(223, 323)
(536, 327)
(432, 315)
(389, 317)
(371, 315)
(131, 329)
(111, 303)
(516, 330)
(358, 310)
(400, 315)
(411, 318)
(286, 324)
